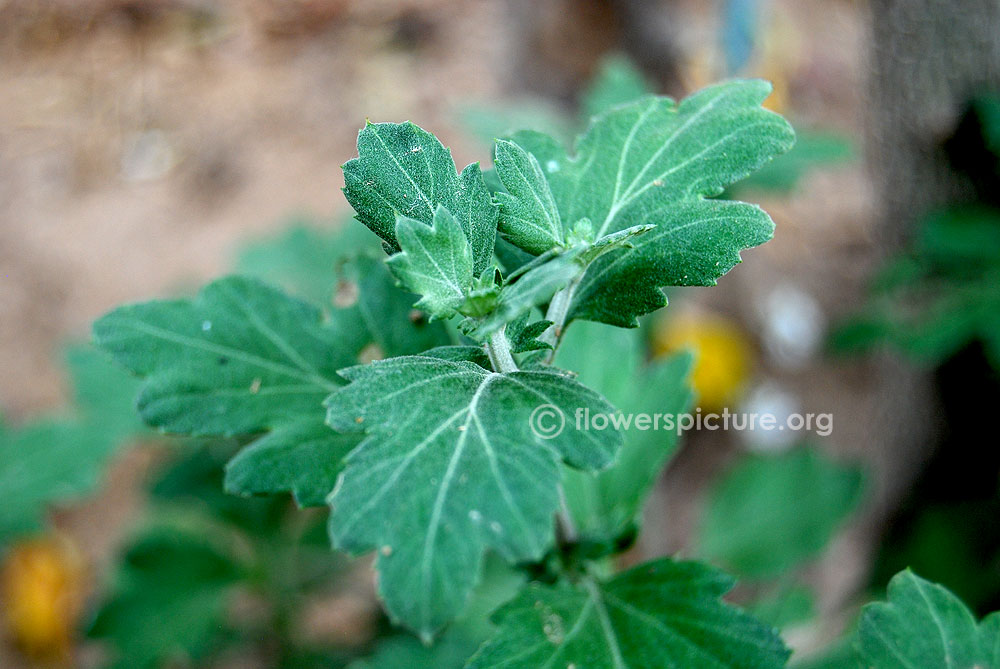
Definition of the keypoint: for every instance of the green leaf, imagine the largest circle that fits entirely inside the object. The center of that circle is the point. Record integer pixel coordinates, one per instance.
(302, 258)
(812, 150)
(435, 262)
(462, 638)
(523, 336)
(531, 289)
(450, 466)
(606, 505)
(617, 82)
(638, 159)
(239, 359)
(653, 162)
(924, 625)
(693, 244)
(657, 615)
(770, 513)
(171, 599)
(57, 459)
(47, 462)
(304, 457)
(403, 170)
(528, 214)
(383, 314)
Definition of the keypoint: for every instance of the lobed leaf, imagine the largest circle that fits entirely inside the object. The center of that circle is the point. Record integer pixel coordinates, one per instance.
(435, 262)
(403, 170)
(528, 214)
(241, 358)
(693, 244)
(653, 162)
(451, 465)
(661, 614)
(924, 625)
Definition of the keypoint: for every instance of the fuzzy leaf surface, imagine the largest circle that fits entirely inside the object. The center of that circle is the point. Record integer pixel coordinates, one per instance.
(435, 262)
(403, 170)
(655, 161)
(241, 358)
(529, 217)
(658, 615)
(450, 466)
(924, 625)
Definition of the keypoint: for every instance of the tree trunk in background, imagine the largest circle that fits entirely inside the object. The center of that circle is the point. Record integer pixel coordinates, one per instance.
(927, 59)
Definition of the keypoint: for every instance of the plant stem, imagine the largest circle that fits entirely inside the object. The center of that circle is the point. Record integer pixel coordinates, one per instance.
(498, 350)
(557, 312)
(564, 520)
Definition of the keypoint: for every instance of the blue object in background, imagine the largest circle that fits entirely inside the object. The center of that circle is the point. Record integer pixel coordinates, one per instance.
(739, 29)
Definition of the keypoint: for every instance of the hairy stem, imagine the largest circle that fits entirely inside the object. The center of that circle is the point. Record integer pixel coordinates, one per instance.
(557, 312)
(498, 350)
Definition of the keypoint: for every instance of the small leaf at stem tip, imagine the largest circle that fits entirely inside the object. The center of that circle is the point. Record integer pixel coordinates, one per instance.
(403, 170)
(435, 262)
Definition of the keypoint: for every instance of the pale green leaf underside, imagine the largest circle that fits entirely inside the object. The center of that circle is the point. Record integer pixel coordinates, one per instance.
(924, 626)
(435, 262)
(449, 467)
(403, 170)
(659, 615)
(528, 214)
(241, 358)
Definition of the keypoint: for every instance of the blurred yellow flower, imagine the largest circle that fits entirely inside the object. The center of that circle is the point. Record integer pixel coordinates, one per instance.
(722, 355)
(41, 587)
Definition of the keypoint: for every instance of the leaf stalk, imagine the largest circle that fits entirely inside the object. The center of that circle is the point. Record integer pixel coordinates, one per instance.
(498, 351)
